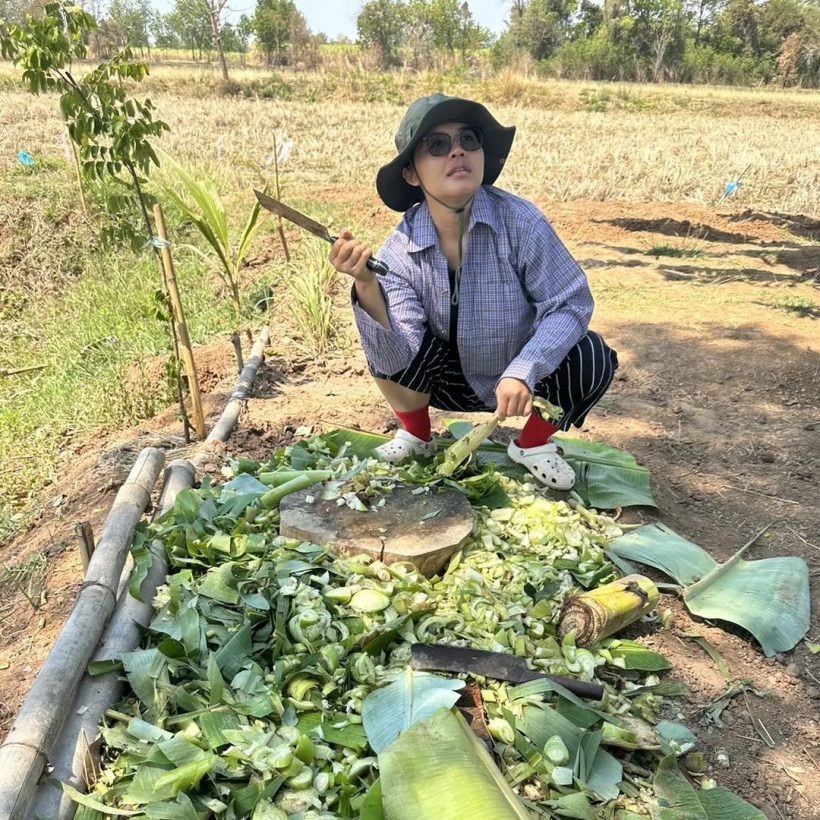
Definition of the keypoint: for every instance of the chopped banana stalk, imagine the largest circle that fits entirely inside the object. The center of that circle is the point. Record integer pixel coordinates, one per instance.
(276, 479)
(600, 612)
(462, 449)
(547, 409)
(302, 481)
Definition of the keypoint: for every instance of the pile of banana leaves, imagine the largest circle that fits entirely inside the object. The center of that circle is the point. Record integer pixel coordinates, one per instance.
(247, 698)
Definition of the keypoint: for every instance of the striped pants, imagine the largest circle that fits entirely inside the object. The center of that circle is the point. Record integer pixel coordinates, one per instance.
(576, 386)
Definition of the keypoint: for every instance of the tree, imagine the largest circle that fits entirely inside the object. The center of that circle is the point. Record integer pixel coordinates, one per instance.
(738, 29)
(215, 10)
(588, 20)
(540, 26)
(189, 22)
(471, 36)
(244, 31)
(163, 33)
(128, 22)
(16, 11)
(779, 20)
(382, 24)
(276, 24)
(418, 37)
(445, 18)
(657, 28)
(451, 25)
(703, 12)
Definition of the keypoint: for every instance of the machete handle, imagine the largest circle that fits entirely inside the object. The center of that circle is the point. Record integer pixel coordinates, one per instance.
(581, 688)
(376, 265)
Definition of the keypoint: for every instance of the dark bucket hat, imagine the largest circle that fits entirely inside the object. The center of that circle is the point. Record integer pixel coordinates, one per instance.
(424, 114)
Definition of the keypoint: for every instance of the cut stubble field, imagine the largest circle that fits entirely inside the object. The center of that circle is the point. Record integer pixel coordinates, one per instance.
(713, 309)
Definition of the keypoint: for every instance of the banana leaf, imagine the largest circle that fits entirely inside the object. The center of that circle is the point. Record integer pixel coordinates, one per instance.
(181, 809)
(605, 477)
(678, 798)
(594, 767)
(355, 441)
(769, 598)
(439, 768)
(89, 802)
(412, 697)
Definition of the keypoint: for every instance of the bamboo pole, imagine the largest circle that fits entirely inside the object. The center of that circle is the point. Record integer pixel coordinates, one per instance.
(26, 750)
(182, 325)
(77, 749)
(76, 752)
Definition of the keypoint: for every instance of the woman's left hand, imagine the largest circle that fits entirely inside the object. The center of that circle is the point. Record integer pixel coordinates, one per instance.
(514, 399)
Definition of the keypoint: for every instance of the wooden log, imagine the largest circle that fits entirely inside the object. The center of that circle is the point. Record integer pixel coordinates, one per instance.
(26, 750)
(182, 325)
(598, 613)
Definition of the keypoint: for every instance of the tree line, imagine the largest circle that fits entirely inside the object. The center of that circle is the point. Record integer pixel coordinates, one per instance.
(690, 41)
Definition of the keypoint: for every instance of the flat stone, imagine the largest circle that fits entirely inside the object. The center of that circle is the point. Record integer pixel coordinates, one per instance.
(425, 528)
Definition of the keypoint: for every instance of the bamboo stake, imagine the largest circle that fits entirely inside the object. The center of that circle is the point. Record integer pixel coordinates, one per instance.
(16, 370)
(86, 537)
(77, 750)
(237, 349)
(182, 326)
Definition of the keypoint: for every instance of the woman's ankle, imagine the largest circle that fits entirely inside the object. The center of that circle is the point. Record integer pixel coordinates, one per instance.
(416, 422)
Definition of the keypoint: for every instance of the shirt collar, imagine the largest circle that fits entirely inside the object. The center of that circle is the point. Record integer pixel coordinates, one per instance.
(422, 233)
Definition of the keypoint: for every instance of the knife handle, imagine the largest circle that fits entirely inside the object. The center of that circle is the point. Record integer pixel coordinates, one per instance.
(582, 688)
(376, 265)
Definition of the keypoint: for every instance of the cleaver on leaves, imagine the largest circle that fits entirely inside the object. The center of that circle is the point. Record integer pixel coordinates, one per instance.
(497, 665)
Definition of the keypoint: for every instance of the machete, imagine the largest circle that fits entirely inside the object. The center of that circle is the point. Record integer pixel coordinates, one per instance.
(497, 665)
(316, 228)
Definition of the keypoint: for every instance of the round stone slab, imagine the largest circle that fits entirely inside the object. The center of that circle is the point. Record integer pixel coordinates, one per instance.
(425, 528)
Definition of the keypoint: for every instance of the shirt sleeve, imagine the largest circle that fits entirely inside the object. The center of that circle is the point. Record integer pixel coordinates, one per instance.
(558, 290)
(391, 351)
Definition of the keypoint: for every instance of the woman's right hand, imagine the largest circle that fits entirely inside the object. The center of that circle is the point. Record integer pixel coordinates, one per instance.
(350, 256)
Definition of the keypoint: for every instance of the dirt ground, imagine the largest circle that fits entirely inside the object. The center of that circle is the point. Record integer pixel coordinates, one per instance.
(717, 395)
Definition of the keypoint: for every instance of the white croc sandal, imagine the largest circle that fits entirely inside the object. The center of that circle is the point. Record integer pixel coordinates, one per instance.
(403, 445)
(545, 463)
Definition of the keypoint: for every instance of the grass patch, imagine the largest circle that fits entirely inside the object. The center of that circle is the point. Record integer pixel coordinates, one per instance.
(310, 283)
(799, 306)
(675, 251)
(28, 577)
(94, 337)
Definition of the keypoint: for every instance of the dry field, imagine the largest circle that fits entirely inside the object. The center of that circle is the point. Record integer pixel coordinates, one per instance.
(713, 308)
(650, 144)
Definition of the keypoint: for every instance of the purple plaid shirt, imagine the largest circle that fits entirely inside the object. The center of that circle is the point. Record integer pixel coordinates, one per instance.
(524, 302)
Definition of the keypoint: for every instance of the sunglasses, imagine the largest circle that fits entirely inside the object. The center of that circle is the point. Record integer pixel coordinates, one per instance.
(438, 143)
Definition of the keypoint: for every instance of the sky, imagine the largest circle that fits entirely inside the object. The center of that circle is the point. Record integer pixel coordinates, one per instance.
(338, 17)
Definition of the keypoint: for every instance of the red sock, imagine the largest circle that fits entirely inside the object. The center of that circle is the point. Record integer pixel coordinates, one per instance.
(537, 431)
(416, 422)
